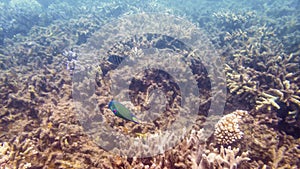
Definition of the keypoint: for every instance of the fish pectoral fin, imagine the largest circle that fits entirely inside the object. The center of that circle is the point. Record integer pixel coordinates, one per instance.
(135, 119)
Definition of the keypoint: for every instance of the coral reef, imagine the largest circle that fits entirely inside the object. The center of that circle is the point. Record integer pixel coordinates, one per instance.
(39, 122)
(259, 70)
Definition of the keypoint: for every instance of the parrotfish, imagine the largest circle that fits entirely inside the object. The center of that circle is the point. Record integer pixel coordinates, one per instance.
(121, 111)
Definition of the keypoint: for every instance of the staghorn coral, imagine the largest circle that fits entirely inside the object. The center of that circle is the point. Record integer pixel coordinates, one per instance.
(28, 6)
(260, 71)
(267, 146)
(233, 20)
(227, 130)
(15, 154)
(227, 158)
(139, 90)
(4, 154)
(261, 74)
(197, 147)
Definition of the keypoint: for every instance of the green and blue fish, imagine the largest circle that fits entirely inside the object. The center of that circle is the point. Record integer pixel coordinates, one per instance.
(121, 111)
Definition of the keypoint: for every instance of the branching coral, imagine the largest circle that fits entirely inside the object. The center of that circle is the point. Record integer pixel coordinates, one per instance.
(267, 100)
(226, 158)
(197, 147)
(232, 19)
(240, 83)
(267, 146)
(38, 124)
(4, 154)
(260, 73)
(15, 155)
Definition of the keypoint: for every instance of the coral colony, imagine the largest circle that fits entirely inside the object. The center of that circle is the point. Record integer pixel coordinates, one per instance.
(39, 45)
